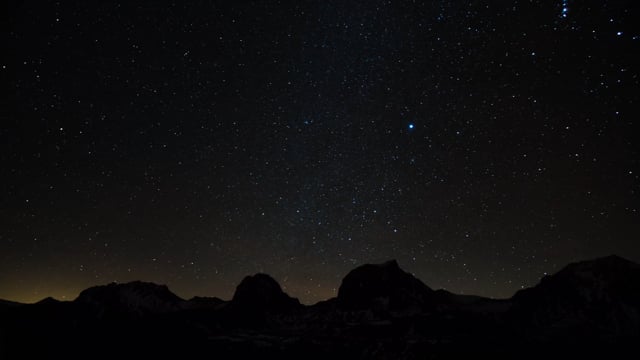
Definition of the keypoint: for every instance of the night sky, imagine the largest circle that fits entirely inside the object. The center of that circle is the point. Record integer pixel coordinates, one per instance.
(482, 144)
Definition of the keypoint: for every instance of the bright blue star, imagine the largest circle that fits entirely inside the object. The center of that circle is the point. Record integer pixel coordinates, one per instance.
(565, 8)
(411, 126)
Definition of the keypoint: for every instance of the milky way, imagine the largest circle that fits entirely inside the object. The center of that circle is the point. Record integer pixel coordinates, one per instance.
(481, 144)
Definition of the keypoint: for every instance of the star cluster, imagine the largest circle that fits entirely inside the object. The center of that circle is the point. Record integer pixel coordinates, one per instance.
(481, 143)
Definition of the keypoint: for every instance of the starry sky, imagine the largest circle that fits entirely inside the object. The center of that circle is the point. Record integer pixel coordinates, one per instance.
(482, 144)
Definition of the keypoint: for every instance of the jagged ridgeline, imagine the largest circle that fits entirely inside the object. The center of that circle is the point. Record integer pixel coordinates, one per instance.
(588, 309)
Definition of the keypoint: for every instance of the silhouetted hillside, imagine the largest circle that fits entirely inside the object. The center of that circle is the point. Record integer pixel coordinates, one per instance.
(588, 309)
(384, 287)
(600, 296)
(261, 292)
(136, 297)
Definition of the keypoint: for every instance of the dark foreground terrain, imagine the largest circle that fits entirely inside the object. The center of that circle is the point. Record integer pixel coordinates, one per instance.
(589, 309)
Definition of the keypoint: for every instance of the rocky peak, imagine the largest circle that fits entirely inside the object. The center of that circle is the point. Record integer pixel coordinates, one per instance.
(132, 297)
(612, 275)
(383, 286)
(603, 291)
(262, 292)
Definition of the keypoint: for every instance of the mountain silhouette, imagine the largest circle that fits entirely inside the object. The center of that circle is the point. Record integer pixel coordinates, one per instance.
(597, 296)
(262, 292)
(48, 301)
(383, 287)
(135, 297)
(588, 309)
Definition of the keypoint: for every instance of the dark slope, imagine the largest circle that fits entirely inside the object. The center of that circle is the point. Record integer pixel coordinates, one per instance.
(600, 296)
(135, 297)
(588, 310)
(384, 287)
(261, 292)
(7, 303)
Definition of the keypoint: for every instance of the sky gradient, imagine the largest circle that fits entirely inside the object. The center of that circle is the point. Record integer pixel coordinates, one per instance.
(482, 144)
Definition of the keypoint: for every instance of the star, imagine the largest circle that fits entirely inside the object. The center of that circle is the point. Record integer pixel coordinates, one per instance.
(355, 121)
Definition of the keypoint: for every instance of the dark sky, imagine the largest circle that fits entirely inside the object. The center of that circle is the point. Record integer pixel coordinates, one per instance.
(480, 143)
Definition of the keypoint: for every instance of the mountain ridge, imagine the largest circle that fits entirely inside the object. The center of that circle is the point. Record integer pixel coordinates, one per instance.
(381, 311)
(389, 263)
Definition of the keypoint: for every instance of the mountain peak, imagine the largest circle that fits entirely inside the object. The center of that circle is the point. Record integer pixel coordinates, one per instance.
(602, 289)
(382, 286)
(132, 297)
(607, 268)
(262, 292)
(609, 260)
(48, 300)
(594, 273)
